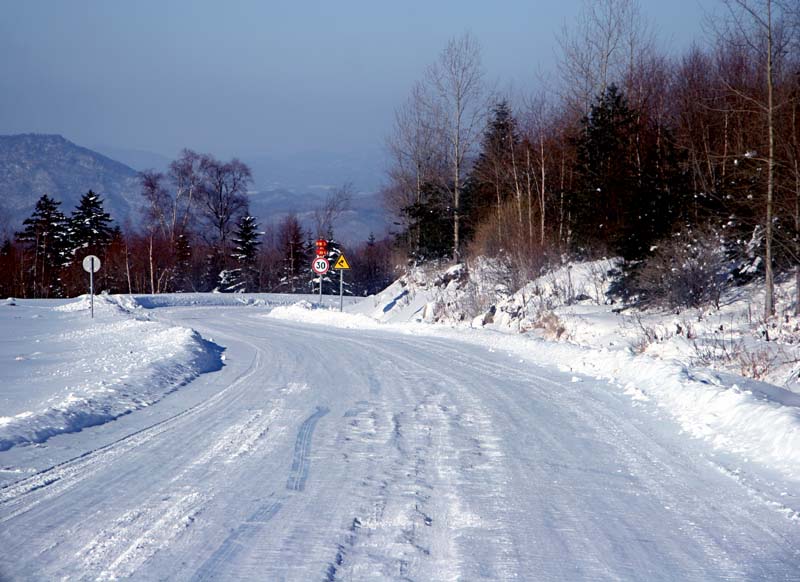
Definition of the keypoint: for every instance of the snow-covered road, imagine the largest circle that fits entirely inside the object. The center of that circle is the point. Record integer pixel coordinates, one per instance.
(319, 453)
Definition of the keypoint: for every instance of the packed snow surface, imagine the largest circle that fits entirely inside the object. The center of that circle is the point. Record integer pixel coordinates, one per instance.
(367, 446)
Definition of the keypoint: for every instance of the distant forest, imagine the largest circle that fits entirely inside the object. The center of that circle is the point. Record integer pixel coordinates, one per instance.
(196, 235)
(686, 165)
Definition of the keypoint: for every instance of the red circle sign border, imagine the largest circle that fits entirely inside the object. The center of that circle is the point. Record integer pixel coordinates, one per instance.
(318, 271)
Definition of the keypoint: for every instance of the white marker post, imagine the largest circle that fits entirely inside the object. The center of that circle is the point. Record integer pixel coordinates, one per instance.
(320, 266)
(91, 264)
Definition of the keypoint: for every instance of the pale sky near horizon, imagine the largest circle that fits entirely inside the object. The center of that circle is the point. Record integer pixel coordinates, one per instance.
(243, 77)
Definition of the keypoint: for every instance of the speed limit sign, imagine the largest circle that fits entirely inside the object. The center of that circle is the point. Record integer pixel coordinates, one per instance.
(320, 265)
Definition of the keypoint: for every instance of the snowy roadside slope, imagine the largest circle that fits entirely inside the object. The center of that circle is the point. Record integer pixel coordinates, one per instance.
(415, 297)
(64, 371)
(757, 421)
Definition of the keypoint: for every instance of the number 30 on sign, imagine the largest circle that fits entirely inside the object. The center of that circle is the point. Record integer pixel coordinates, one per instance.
(320, 265)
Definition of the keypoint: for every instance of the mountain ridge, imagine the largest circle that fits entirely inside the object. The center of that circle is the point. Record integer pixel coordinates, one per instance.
(33, 164)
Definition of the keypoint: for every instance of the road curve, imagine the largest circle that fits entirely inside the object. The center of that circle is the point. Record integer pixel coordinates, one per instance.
(328, 454)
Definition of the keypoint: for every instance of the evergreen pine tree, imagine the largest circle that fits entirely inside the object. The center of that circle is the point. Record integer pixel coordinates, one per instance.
(45, 244)
(182, 279)
(9, 275)
(430, 223)
(491, 180)
(90, 225)
(247, 239)
(630, 186)
(374, 273)
(606, 174)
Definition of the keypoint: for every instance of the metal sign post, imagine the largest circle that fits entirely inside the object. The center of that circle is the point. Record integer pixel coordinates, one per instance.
(341, 265)
(91, 264)
(320, 266)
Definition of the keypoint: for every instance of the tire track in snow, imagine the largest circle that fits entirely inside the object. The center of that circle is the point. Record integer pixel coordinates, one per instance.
(302, 451)
(139, 534)
(212, 568)
(430, 509)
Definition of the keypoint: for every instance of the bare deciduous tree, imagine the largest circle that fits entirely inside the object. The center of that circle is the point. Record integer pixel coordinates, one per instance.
(223, 197)
(185, 175)
(760, 29)
(600, 48)
(336, 203)
(458, 106)
(415, 149)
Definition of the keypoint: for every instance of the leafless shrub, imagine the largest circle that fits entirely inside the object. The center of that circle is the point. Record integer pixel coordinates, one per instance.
(526, 256)
(726, 347)
(687, 270)
(599, 280)
(646, 334)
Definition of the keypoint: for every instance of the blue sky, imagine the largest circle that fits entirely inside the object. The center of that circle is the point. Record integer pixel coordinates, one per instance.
(243, 77)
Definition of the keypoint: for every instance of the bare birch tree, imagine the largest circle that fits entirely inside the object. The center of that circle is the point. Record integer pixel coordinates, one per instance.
(415, 153)
(458, 106)
(336, 203)
(756, 25)
(599, 48)
(184, 173)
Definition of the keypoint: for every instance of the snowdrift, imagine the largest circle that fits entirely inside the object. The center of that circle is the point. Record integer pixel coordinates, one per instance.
(68, 372)
(264, 300)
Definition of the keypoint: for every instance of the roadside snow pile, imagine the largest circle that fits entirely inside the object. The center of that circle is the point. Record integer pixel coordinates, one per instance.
(65, 372)
(432, 295)
(734, 338)
(103, 303)
(572, 304)
(305, 312)
(540, 305)
(266, 300)
(480, 294)
(755, 420)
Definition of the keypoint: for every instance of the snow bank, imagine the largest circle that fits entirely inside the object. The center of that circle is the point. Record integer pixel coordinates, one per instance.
(267, 300)
(305, 312)
(423, 295)
(68, 372)
(759, 421)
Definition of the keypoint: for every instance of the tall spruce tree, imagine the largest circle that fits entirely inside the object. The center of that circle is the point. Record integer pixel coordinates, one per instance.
(9, 274)
(182, 278)
(46, 246)
(630, 186)
(603, 204)
(491, 180)
(429, 225)
(90, 226)
(247, 240)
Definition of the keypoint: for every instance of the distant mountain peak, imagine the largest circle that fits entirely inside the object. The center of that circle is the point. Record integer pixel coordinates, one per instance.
(33, 164)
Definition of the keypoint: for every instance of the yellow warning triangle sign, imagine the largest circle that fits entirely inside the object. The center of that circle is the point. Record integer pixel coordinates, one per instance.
(341, 263)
